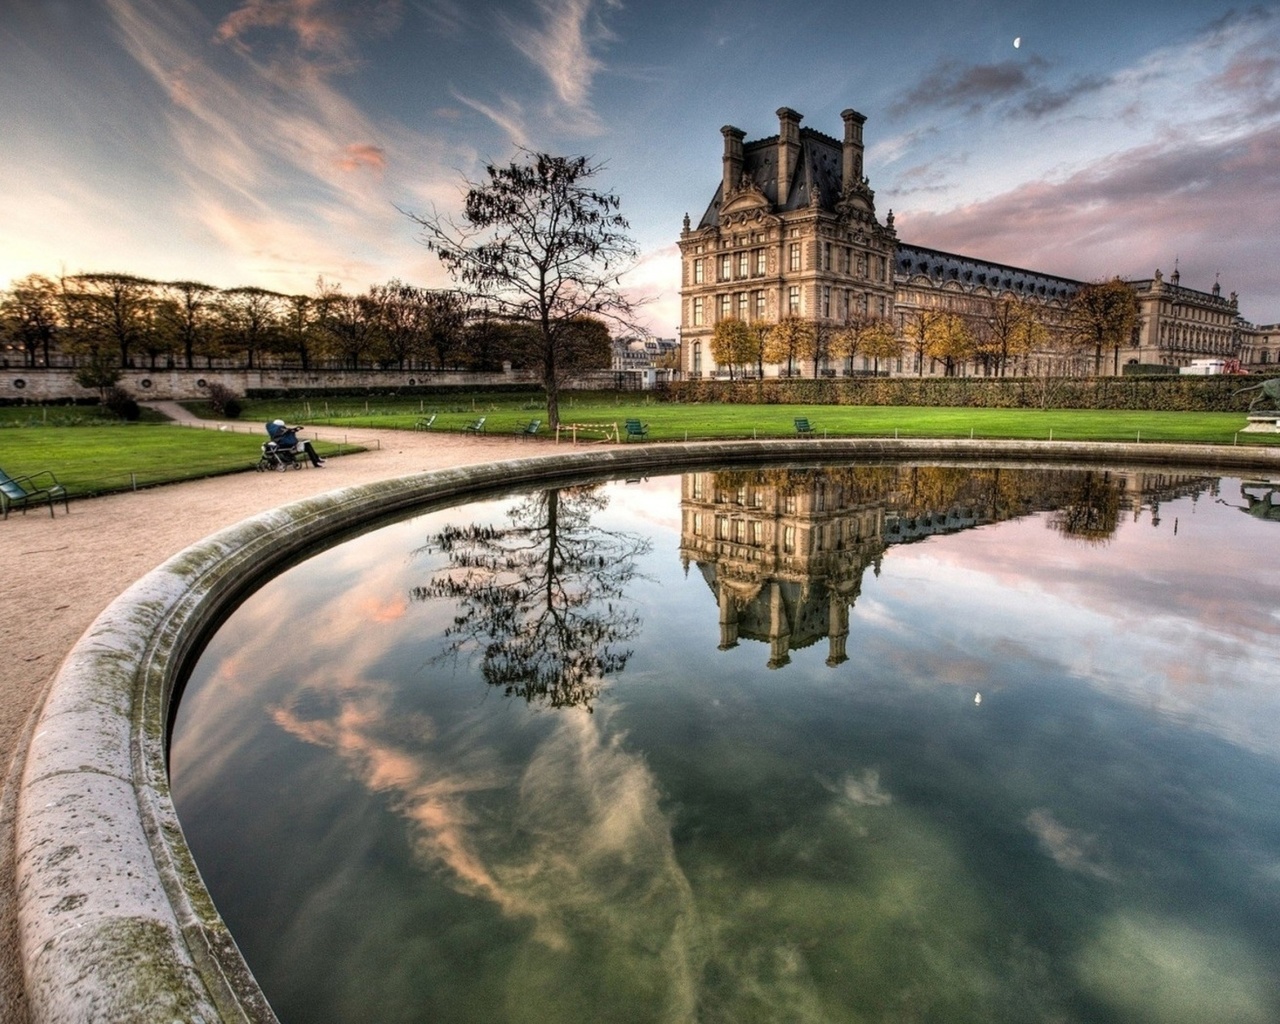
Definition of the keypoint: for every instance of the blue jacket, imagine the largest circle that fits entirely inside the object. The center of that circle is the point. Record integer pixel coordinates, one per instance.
(283, 436)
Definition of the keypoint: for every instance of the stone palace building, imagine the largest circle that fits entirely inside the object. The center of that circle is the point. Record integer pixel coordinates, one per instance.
(792, 229)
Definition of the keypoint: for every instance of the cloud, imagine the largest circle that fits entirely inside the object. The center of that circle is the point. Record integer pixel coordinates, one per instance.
(324, 28)
(1042, 100)
(509, 116)
(562, 45)
(1130, 212)
(265, 154)
(653, 285)
(970, 87)
(363, 154)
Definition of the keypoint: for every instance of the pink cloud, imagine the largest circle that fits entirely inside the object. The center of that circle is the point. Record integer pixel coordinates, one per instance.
(1211, 202)
(363, 154)
(319, 26)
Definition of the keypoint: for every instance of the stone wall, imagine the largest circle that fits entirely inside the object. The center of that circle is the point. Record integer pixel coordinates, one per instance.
(42, 384)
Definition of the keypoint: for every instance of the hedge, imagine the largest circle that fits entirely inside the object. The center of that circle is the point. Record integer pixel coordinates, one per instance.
(1182, 393)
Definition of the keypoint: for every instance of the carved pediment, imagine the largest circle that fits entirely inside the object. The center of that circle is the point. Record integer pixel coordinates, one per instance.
(857, 201)
(746, 197)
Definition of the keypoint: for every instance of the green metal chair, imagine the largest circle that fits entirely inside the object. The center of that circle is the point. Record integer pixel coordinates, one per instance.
(804, 428)
(23, 491)
(637, 430)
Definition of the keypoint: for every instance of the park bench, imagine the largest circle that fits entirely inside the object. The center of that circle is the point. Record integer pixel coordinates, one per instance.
(804, 428)
(22, 491)
(425, 422)
(637, 430)
(528, 429)
(477, 427)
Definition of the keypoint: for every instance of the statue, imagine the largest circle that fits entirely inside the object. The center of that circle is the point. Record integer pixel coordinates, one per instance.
(1270, 389)
(1262, 500)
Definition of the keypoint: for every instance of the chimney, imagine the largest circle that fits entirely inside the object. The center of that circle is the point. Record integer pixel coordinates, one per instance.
(788, 150)
(732, 158)
(852, 164)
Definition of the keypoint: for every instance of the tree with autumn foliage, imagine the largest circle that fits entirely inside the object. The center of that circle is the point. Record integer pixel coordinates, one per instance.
(1012, 330)
(787, 340)
(951, 341)
(733, 344)
(1102, 315)
(878, 340)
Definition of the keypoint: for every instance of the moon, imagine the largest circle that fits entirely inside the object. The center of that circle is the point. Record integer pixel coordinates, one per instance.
(1017, 42)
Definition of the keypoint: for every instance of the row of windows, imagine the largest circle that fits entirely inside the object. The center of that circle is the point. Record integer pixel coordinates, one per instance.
(755, 263)
(752, 305)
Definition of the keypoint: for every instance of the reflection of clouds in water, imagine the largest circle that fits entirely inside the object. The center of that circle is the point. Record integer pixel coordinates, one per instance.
(355, 727)
(318, 627)
(588, 858)
(1182, 626)
(1070, 849)
(862, 789)
(1150, 969)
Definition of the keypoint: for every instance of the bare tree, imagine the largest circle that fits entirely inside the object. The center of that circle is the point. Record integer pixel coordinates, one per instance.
(117, 304)
(186, 311)
(348, 323)
(541, 247)
(251, 319)
(29, 315)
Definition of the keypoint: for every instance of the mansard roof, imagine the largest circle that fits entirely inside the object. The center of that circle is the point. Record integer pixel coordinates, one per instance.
(819, 167)
(941, 267)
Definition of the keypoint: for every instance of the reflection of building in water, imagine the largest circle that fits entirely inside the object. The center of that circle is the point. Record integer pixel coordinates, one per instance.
(784, 555)
(784, 551)
(1144, 490)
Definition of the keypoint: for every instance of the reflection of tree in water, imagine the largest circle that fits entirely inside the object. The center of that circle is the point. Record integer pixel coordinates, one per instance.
(542, 599)
(1090, 509)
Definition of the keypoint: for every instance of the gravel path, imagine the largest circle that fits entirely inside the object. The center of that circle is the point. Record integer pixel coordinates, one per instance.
(60, 574)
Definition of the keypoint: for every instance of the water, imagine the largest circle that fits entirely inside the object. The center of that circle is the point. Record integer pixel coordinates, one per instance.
(909, 744)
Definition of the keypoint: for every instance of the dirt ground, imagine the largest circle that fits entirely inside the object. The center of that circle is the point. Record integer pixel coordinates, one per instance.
(60, 573)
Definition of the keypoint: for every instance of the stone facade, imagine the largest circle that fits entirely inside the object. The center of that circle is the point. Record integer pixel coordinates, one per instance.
(792, 229)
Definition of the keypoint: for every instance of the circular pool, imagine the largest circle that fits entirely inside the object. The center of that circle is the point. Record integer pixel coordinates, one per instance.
(843, 742)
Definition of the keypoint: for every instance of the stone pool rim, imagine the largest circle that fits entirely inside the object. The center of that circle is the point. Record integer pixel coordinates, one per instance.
(114, 919)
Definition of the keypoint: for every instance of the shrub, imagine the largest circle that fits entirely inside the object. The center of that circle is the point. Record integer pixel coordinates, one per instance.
(219, 396)
(120, 402)
(231, 408)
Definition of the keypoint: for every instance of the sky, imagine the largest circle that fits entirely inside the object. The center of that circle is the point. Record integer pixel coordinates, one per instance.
(277, 142)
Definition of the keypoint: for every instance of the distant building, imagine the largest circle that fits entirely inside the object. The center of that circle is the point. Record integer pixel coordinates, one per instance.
(792, 229)
(643, 353)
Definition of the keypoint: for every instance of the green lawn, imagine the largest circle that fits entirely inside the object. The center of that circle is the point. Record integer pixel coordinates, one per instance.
(91, 455)
(675, 421)
(68, 416)
(99, 459)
